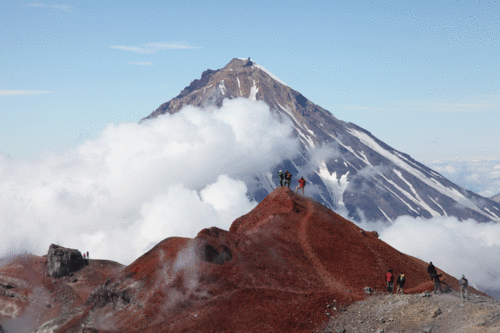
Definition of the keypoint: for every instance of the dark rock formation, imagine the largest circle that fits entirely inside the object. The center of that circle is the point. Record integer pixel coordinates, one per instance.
(63, 261)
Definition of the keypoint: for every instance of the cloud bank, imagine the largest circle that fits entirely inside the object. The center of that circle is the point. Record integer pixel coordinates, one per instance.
(118, 195)
(478, 175)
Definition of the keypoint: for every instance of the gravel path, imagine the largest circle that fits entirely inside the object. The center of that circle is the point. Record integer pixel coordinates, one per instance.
(415, 313)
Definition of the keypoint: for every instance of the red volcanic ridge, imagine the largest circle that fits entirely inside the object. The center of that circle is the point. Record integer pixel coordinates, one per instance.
(276, 269)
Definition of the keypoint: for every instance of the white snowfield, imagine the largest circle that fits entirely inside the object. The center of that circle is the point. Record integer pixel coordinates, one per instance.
(298, 129)
(253, 92)
(452, 193)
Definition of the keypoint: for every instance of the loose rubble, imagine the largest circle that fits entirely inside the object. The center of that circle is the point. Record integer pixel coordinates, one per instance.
(426, 312)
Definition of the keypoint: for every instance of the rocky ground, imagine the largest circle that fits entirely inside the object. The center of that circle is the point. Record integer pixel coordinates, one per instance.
(429, 313)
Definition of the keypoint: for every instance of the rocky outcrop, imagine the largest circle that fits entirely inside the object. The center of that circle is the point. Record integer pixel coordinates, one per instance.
(63, 261)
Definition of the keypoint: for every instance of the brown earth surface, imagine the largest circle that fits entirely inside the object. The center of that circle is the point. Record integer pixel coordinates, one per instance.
(273, 271)
(29, 298)
(440, 313)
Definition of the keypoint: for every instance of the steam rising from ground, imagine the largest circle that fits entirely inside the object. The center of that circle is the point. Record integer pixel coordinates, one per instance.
(118, 195)
(457, 247)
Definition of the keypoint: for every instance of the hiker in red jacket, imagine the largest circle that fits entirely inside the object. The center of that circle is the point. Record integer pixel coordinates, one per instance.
(390, 281)
(302, 184)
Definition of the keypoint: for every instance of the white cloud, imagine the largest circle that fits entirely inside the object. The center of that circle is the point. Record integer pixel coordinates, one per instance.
(481, 175)
(173, 46)
(23, 92)
(118, 195)
(450, 169)
(133, 49)
(153, 47)
(141, 63)
(456, 247)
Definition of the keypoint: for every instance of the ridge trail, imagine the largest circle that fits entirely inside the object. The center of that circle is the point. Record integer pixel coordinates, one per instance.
(307, 248)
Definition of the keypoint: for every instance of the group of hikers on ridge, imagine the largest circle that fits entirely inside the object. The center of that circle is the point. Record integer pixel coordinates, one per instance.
(401, 280)
(286, 179)
(464, 284)
(431, 269)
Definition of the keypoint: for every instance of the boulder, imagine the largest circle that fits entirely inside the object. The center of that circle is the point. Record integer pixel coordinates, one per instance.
(63, 261)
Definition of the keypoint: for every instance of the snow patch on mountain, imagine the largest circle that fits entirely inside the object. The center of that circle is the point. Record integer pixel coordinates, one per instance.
(239, 85)
(492, 213)
(222, 87)
(435, 202)
(335, 186)
(387, 217)
(269, 73)
(253, 92)
(416, 198)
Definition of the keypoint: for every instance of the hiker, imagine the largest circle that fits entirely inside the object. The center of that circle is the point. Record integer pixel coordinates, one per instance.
(87, 254)
(437, 283)
(431, 269)
(84, 255)
(302, 184)
(390, 281)
(464, 291)
(401, 280)
(280, 174)
(288, 178)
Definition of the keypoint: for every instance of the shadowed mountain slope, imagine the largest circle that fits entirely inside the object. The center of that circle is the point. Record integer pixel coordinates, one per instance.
(274, 270)
(363, 177)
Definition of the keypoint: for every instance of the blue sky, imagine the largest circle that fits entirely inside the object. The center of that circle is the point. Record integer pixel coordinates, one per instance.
(422, 76)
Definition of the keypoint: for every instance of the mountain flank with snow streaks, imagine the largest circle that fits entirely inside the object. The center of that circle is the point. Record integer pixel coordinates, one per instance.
(361, 177)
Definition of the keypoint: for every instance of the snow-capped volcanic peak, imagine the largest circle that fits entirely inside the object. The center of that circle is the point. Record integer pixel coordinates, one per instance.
(364, 177)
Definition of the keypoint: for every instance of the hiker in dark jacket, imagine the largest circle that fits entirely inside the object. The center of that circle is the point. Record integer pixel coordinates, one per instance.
(389, 278)
(431, 269)
(401, 280)
(288, 178)
(282, 176)
(464, 291)
(437, 283)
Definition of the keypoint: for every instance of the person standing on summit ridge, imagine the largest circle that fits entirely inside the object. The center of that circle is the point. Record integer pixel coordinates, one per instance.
(281, 176)
(288, 178)
(302, 184)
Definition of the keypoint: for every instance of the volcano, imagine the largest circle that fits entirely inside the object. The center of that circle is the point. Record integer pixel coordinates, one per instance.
(363, 179)
(275, 270)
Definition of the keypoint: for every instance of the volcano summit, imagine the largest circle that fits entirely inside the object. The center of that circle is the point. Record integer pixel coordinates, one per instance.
(361, 178)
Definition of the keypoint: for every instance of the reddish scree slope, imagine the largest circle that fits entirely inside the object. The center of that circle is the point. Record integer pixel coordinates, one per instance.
(28, 297)
(275, 270)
